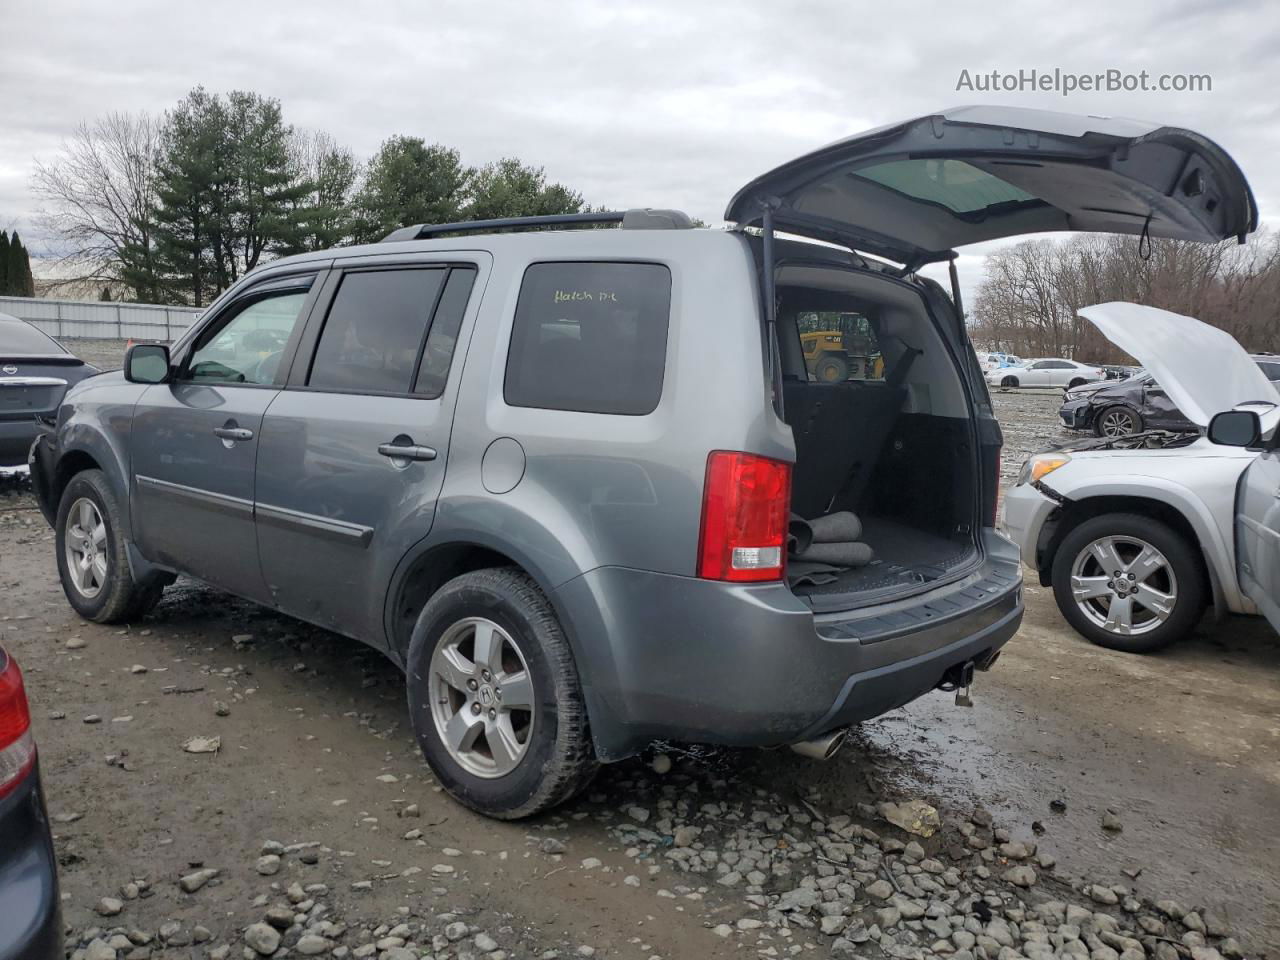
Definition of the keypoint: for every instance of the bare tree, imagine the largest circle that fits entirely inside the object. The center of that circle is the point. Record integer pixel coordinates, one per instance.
(98, 197)
(1029, 302)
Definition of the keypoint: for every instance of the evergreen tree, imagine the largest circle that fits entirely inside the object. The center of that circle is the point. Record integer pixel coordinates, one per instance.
(409, 181)
(19, 281)
(4, 263)
(105, 295)
(510, 189)
(190, 207)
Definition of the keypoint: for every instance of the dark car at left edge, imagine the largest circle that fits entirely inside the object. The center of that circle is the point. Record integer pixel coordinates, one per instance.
(35, 373)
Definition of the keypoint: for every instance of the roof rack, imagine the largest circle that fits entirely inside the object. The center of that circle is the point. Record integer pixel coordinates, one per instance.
(640, 219)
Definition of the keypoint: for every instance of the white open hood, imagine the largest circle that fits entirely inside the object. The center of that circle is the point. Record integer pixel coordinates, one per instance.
(1203, 369)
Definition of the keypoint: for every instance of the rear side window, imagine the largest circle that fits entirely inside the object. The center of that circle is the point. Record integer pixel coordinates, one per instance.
(443, 335)
(590, 337)
(1270, 370)
(374, 333)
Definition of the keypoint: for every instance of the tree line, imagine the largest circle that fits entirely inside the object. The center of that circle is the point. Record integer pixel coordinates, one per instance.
(176, 208)
(1027, 302)
(15, 267)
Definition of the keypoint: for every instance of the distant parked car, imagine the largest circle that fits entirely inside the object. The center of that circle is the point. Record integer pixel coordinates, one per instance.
(1121, 408)
(35, 371)
(1047, 372)
(994, 361)
(30, 915)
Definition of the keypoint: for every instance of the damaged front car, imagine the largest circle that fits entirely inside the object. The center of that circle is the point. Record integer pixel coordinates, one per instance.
(1139, 533)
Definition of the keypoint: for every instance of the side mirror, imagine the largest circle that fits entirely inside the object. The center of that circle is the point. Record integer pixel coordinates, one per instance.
(1236, 428)
(147, 363)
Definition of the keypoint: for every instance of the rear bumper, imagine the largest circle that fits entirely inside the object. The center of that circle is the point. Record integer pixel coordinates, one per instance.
(30, 912)
(42, 459)
(665, 657)
(16, 437)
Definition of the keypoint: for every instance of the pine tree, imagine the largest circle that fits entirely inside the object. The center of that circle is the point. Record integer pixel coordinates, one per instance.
(189, 211)
(4, 263)
(410, 182)
(20, 282)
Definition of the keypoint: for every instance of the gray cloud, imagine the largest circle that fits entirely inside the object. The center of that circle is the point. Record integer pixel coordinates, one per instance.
(650, 102)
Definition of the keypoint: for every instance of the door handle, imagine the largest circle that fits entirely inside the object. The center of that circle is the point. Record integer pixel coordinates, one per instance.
(407, 451)
(233, 433)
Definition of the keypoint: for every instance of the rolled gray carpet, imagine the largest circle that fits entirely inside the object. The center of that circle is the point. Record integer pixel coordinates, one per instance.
(842, 527)
(838, 554)
(799, 534)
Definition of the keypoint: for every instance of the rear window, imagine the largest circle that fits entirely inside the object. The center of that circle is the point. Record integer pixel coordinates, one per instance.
(958, 186)
(590, 337)
(18, 339)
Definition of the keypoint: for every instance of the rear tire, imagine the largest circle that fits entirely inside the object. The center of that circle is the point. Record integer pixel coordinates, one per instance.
(93, 561)
(485, 642)
(1009, 383)
(1117, 421)
(1077, 382)
(1171, 569)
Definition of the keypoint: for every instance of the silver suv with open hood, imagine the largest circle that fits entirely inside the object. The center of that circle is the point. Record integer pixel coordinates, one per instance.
(581, 484)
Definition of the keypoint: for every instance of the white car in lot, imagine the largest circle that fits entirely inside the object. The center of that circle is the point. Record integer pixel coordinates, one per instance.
(1138, 535)
(1045, 372)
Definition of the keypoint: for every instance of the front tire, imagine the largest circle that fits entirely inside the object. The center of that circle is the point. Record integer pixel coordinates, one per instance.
(495, 699)
(93, 562)
(1128, 582)
(1117, 421)
(1009, 383)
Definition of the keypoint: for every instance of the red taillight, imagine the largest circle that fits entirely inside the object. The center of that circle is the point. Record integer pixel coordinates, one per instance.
(745, 507)
(17, 748)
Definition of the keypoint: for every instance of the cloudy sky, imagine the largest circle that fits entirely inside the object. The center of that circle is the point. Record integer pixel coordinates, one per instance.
(634, 103)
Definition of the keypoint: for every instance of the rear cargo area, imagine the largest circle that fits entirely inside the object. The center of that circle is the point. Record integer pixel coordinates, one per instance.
(891, 441)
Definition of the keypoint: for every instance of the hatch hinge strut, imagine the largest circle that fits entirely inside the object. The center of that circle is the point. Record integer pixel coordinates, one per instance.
(768, 205)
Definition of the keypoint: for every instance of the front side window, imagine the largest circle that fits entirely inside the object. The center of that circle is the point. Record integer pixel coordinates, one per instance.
(374, 333)
(1270, 370)
(590, 337)
(249, 346)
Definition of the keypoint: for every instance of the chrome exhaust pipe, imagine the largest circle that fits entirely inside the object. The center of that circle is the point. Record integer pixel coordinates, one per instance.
(822, 748)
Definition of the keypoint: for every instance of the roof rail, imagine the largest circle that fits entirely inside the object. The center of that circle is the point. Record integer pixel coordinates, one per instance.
(645, 219)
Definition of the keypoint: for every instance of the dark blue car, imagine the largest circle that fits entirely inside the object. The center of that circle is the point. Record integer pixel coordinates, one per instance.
(30, 918)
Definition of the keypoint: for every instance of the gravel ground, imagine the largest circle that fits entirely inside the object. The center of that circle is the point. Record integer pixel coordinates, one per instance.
(1089, 805)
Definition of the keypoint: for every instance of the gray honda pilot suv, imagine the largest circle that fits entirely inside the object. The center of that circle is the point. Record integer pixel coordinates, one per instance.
(584, 485)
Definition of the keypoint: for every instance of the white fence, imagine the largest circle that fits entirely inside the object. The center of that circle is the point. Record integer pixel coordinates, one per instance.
(100, 319)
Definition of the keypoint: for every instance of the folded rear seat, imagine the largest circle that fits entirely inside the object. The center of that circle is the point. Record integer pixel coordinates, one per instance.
(837, 427)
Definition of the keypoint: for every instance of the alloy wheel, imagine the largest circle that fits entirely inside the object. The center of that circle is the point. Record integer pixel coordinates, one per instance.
(1124, 585)
(1117, 423)
(86, 548)
(482, 697)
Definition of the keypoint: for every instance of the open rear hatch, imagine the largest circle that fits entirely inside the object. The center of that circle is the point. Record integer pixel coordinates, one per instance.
(913, 191)
(927, 467)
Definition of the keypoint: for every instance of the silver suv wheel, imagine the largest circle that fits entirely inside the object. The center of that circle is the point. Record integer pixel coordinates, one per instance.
(1124, 585)
(86, 548)
(482, 697)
